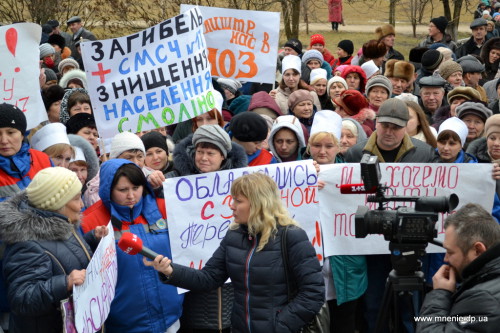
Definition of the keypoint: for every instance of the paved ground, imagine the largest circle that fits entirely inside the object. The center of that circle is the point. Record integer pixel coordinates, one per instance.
(401, 28)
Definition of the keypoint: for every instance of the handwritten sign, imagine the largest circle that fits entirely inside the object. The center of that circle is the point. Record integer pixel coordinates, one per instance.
(471, 182)
(20, 69)
(195, 233)
(242, 44)
(92, 300)
(157, 77)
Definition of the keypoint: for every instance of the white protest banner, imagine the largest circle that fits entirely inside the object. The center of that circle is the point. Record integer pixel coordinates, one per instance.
(20, 70)
(92, 300)
(157, 77)
(471, 182)
(242, 44)
(195, 233)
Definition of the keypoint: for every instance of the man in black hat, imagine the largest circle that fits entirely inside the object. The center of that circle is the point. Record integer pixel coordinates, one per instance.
(79, 32)
(476, 41)
(437, 34)
(56, 30)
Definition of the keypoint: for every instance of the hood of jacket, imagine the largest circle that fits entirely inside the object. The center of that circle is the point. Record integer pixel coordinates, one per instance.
(88, 152)
(361, 132)
(184, 157)
(479, 149)
(263, 100)
(20, 222)
(487, 47)
(294, 126)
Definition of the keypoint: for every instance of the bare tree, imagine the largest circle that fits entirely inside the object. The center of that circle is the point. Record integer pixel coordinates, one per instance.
(290, 9)
(414, 10)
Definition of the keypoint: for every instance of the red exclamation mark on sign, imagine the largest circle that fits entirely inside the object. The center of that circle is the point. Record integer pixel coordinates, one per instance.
(11, 40)
(317, 240)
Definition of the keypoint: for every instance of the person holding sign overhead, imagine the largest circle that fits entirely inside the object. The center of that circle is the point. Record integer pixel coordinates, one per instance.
(251, 256)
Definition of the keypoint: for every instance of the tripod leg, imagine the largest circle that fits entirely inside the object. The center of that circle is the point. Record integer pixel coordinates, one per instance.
(387, 299)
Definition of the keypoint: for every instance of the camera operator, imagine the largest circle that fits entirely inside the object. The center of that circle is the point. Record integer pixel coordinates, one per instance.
(390, 144)
(472, 242)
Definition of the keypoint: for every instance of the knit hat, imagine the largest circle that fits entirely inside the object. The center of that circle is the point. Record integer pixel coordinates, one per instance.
(213, 134)
(492, 125)
(431, 59)
(294, 44)
(475, 108)
(384, 30)
(441, 23)
(312, 55)
(12, 116)
(67, 62)
(229, 84)
(125, 141)
(340, 68)
(51, 95)
(291, 61)
(327, 121)
(248, 127)
(52, 188)
(155, 139)
(45, 50)
(447, 53)
(347, 46)
(456, 125)
(479, 22)
(379, 81)
(361, 73)
(317, 39)
(393, 111)
(466, 92)
(58, 40)
(218, 100)
(317, 74)
(240, 104)
(333, 80)
(263, 103)
(407, 97)
(78, 121)
(374, 49)
(370, 68)
(449, 67)
(49, 135)
(298, 96)
(352, 101)
(50, 75)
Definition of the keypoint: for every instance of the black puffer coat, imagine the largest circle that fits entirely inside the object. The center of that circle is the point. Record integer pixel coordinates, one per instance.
(36, 282)
(260, 290)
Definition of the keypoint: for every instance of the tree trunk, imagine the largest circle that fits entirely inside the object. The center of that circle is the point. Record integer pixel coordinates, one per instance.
(392, 11)
(295, 17)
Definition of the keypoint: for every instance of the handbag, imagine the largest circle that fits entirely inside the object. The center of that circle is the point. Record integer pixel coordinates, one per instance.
(321, 321)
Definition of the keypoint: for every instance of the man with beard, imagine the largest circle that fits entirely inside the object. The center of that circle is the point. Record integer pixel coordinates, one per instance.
(472, 243)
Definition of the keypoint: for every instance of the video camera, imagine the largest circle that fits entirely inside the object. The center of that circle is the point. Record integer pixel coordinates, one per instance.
(408, 230)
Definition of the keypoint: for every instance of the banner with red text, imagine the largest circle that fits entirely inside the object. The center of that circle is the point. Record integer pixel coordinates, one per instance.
(470, 181)
(199, 214)
(242, 44)
(20, 70)
(92, 300)
(154, 78)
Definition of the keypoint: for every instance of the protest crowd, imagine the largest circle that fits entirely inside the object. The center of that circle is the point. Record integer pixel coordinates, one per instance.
(62, 181)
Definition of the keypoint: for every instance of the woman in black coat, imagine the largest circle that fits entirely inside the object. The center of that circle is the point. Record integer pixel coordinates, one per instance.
(250, 254)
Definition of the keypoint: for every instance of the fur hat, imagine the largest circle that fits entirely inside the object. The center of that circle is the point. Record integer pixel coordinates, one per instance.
(213, 134)
(441, 23)
(45, 50)
(12, 116)
(49, 135)
(399, 69)
(379, 81)
(456, 125)
(78, 121)
(475, 108)
(393, 111)
(154, 139)
(67, 62)
(125, 141)
(333, 80)
(431, 59)
(298, 96)
(468, 93)
(52, 188)
(229, 84)
(248, 127)
(347, 46)
(295, 44)
(416, 53)
(492, 125)
(317, 39)
(352, 101)
(370, 68)
(58, 40)
(449, 67)
(374, 49)
(73, 74)
(312, 55)
(384, 30)
(291, 61)
(51, 95)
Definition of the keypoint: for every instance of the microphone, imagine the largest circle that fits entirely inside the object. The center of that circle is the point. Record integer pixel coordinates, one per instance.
(356, 189)
(131, 244)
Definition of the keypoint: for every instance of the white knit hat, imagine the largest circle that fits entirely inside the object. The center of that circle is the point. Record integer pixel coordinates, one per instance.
(125, 141)
(333, 80)
(48, 136)
(327, 121)
(317, 74)
(229, 84)
(291, 61)
(369, 68)
(456, 125)
(52, 188)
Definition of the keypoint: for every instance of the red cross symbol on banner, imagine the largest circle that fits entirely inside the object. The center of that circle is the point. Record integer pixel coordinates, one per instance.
(101, 72)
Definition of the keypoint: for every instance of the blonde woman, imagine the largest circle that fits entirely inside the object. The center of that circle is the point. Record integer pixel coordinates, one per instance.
(250, 254)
